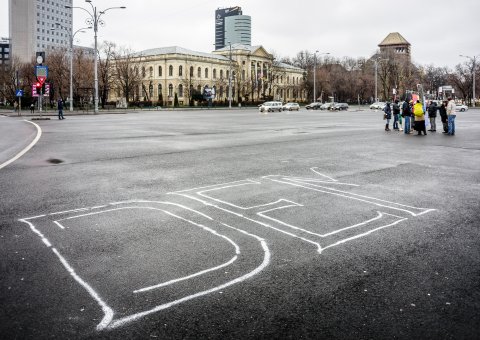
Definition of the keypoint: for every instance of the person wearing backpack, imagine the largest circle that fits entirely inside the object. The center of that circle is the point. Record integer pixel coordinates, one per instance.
(419, 118)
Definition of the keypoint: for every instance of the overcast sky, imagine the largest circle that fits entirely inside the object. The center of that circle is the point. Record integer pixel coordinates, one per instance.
(438, 30)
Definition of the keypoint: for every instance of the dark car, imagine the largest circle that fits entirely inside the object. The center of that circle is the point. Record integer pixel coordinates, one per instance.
(313, 106)
(339, 107)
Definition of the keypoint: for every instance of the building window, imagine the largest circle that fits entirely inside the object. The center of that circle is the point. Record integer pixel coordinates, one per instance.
(150, 91)
(151, 71)
(214, 73)
(191, 71)
(199, 72)
(143, 72)
(180, 71)
(170, 90)
(159, 91)
(206, 73)
(159, 71)
(180, 90)
(170, 71)
(220, 92)
(221, 74)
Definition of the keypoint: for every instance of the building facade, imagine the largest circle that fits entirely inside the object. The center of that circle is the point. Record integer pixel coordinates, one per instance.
(242, 73)
(30, 23)
(238, 30)
(397, 46)
(4, 52)
(220, 15)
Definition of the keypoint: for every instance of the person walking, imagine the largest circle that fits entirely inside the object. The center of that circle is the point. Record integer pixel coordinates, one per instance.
(60, 108)
(443, 116)
(432, 115)
(396, 113)
(406, 113)
(387, 115)
(32, 108)
(419, 118)
(451, 116)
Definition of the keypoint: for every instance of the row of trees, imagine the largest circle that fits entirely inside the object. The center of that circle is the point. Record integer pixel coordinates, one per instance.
(353, 79)
(348, 80)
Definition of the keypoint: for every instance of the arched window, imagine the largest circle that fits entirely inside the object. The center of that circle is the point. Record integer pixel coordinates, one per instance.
(170, 71)
(199, 72)
(206, 73)
(191, 71)
(288, 79)
(150, 71)
(221, 74)
(214, 73)
(180, 71)
(159, 89)
(159, 71)
(143, 72)
(170, 90)
(180, 90)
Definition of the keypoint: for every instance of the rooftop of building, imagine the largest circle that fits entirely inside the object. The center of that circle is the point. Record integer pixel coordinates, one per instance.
(394, 38)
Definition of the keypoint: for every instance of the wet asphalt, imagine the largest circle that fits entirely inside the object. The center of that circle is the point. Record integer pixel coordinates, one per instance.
(218, 224)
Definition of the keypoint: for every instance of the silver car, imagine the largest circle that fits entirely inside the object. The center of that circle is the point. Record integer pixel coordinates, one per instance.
(291, 107)
(378, 106)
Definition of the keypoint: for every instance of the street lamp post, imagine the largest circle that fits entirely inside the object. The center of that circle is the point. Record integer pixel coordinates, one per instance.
(315, 74)
(71, 36)
(230, 77)
(474, 60)
(377, 59)
(94, 21)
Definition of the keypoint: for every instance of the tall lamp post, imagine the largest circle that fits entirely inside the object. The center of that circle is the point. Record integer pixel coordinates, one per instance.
(71, 36)
(474, 60)
(377, 59)
(315, 74)
(230, 77)
(94, 21)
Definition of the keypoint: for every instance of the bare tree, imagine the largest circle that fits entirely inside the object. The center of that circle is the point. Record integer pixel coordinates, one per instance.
(128, 75)
(106, 69)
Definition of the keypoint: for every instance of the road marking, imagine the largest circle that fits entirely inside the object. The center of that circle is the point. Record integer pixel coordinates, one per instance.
(24, 151)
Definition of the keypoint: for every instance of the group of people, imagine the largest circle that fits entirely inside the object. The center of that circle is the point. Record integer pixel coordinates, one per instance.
(413, 115)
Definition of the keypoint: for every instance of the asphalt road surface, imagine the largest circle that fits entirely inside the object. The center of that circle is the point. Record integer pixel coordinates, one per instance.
(238, 225)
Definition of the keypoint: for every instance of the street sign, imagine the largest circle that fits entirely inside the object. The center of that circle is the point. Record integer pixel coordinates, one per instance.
(41, 72)
(19, 93)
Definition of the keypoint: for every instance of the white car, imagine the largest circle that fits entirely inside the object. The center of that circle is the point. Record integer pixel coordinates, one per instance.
(378, 106)
(461, 107)
(271, 107)
(291, 107)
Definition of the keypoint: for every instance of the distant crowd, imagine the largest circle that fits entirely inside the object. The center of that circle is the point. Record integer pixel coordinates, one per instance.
(410, 116)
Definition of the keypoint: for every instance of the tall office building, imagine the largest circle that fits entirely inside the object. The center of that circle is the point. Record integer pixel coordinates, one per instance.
(4, 52)
(238, 30)
(231, 25)
(30, 23)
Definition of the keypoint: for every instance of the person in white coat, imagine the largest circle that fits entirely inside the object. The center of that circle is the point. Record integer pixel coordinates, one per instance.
(451, 115)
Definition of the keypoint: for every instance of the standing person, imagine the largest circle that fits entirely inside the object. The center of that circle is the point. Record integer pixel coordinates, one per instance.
(32, 108)
(387, 115)
(60, 109)
(419, 118)
(396, 112)
(432, 115)
(451, 116)
(406, 113)
(443, 116)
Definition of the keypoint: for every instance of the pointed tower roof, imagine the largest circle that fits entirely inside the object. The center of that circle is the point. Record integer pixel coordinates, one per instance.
(394, 38)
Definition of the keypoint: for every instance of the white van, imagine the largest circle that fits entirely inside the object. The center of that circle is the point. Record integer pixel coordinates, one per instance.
(271, 107)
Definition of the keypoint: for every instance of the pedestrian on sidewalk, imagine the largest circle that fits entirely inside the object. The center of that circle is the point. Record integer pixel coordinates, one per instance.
(387, 115)
(419, 114)
(406, 113)
(451, 116)
(396, 113)
(60, 108)
(443, 116)
(432, 115)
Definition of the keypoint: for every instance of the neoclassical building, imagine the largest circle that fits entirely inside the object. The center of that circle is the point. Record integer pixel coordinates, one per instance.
(253, 73)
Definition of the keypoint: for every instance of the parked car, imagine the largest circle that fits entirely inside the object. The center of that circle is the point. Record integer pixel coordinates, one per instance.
(327, 106)
(461, 107)
(313, 106)
(339, 107)
(271, 107)
(378, 106)
(291, 107)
